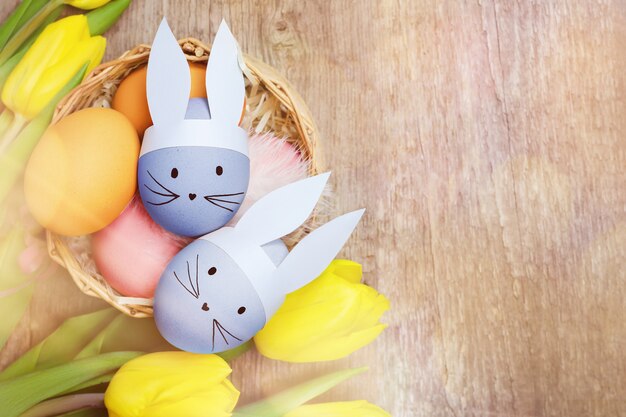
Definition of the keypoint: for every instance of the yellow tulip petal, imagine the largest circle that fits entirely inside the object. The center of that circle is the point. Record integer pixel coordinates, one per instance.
(55, 42)
(328, 319)
(172, 383)
(54, 58)
(86, 4)
(88, 51)
(337, 348)
(339, 409)
(348, 270)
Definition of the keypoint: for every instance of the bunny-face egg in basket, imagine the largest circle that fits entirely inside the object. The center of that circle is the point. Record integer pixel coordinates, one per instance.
(281, 150)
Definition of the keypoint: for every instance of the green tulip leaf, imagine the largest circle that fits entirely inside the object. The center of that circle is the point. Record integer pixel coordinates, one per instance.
(12, 308)
(87, 412)
(19, 394)
(62, 345)
(15, 290)
(290, 399)
(102, 18)
(126, 333)
(12, 23)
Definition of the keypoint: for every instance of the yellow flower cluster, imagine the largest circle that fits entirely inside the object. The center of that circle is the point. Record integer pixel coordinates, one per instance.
(61, 50)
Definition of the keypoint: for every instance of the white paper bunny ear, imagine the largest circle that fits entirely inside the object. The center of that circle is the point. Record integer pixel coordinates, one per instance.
(282, 211)
(168, 81)
(314, 253)
(224, 80)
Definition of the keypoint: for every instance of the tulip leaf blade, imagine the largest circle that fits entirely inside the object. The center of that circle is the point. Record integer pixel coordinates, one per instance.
(231, 354)
(60, 346)
(290, 399)
(99, 380)
(126, 333)
(87, 412)
(11, 24)
(15, 290)
(12, 309)
(19, 394)
(102, 18)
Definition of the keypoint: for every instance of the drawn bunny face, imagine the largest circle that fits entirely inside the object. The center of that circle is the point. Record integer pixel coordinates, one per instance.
(205, 301)
(194, 169)
(220, 290)
(193, 188)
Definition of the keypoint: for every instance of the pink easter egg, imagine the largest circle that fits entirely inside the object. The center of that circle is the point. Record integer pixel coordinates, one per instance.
(132, 252)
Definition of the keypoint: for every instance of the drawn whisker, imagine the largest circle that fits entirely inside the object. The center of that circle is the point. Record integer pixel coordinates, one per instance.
(158, 193)
(222, 201)
(213, 338)
(161, 185)
(219, 325)
(197, 285)
(184, 286)
(222, 195)
(221, 333)
(215, 204)
(163, 203)
(191, 283)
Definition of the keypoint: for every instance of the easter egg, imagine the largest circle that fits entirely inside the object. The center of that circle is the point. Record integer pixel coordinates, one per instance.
(133, 251)
(82, 173)
(131, 100)
(204, 303)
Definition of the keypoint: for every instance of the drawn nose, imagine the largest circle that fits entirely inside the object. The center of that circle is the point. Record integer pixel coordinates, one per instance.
(205, 307)
(192, 196)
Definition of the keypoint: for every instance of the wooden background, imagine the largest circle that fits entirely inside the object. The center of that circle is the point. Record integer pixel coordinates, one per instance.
(486, 139)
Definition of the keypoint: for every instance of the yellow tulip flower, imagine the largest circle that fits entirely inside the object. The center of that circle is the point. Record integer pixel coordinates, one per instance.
(167, 384)
(328, 319)
(339, 409)
(59, 52)
(86, 4)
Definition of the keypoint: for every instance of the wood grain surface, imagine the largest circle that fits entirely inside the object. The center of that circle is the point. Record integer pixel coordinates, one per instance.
(487, 141)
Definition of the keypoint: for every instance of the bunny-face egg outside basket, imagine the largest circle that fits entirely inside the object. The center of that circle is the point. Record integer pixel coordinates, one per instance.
(272, 105)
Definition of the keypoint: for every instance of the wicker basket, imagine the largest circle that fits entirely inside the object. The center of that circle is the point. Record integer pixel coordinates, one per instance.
(272, 105)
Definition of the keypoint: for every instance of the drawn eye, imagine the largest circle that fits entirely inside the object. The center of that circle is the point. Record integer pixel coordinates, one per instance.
(174, 173)
(212, 270)
(219, 170)
(241, 310)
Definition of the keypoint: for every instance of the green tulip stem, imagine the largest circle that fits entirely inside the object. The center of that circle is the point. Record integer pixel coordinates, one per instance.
(6, 117)
(102, 18)
(62, 405)
(292, 398)
(12, 131)
(19, 37)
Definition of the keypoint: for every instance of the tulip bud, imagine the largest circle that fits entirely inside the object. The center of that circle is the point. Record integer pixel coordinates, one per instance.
(339, 409)
(328, 319)
(57, 54)
(167, 384)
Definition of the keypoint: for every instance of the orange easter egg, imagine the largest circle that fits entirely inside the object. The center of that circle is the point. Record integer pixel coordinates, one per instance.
(83, 172)
(130, 97)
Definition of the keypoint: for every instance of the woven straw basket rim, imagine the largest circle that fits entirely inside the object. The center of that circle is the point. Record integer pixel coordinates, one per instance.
(272, 101)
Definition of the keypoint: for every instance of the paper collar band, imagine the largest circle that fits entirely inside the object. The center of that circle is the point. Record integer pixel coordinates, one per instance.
(195, 132)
